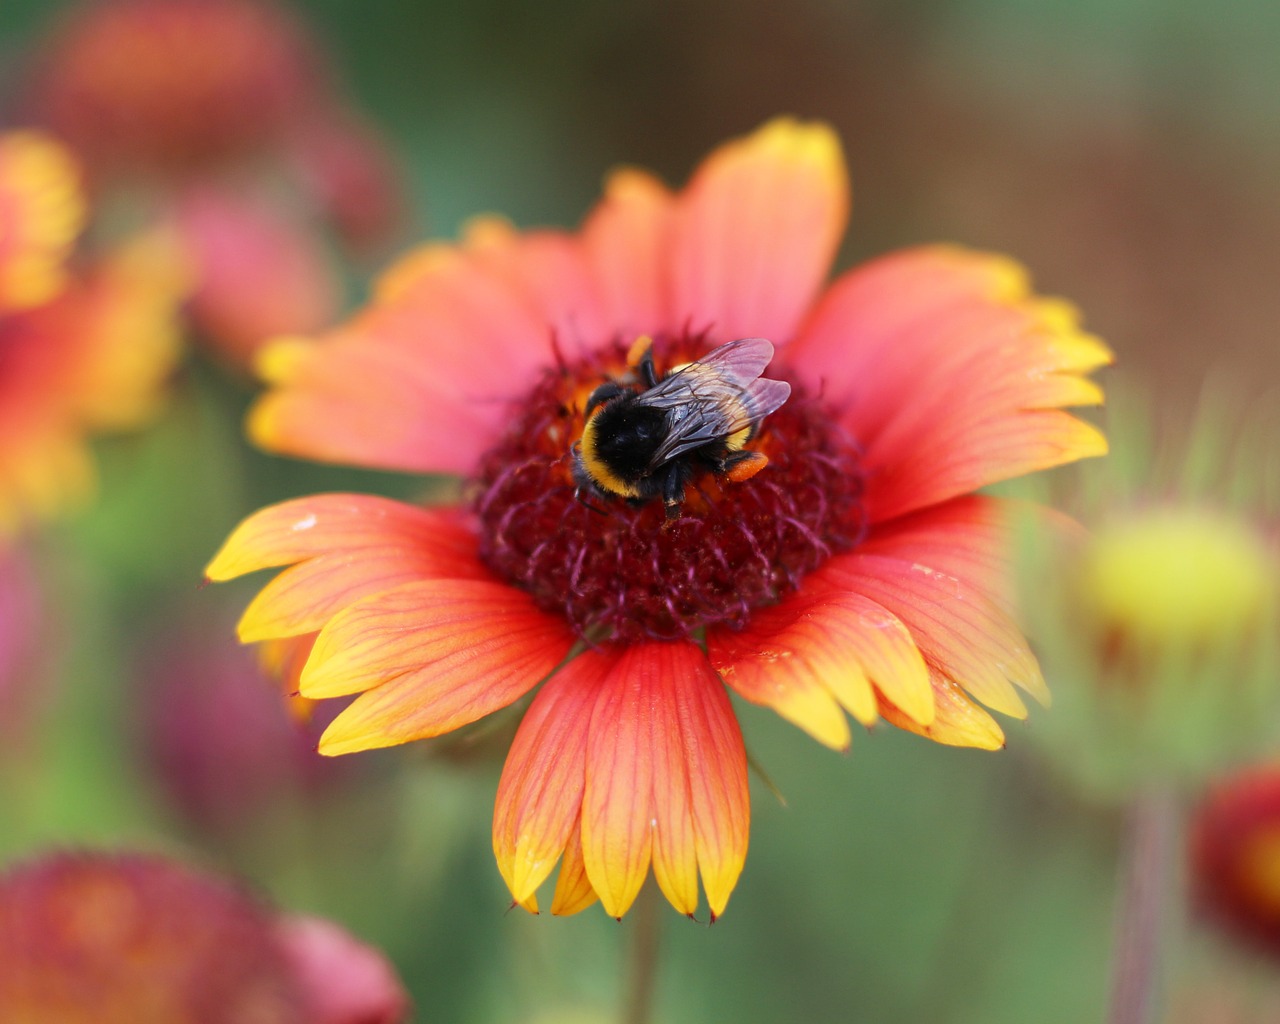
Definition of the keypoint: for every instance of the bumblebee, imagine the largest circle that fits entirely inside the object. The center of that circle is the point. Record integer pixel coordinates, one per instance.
(648, 439)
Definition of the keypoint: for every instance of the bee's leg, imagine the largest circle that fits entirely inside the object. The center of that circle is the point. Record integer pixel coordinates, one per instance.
(743, 465)
(579, 495)
(600, 395)
(673, 491)
(640, 359)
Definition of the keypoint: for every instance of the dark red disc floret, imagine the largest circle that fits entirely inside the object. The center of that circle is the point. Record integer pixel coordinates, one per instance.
(621, 573)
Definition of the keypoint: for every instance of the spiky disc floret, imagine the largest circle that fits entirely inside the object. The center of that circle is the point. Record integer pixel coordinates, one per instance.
(618, 572)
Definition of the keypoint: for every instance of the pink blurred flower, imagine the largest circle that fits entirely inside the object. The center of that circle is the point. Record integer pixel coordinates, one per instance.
(118, 939)
(346, 167)
(343, 980)
(225, 748)
(262, 268)
(165, 86)
(97, 938)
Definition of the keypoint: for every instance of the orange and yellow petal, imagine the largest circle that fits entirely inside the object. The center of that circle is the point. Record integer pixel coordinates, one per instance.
(957, 627)
(821, 653)
(421, 380)
(42, 211)
(715, 764)
(351, 401)
(431, 656)
(970, 538)
(340, 549)
(756, 231)
(627, 239)
(618, 822)
(549, 272)
(329, 524)
(539, 804)
(950, 374)
(573, 887)
(957, 720)
(953, 598)
(305, 596)
(282, 660)
(627, 759)
(666, 781)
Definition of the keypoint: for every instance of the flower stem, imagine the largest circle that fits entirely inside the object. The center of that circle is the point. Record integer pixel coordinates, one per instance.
(1152, 843)
(642, 961)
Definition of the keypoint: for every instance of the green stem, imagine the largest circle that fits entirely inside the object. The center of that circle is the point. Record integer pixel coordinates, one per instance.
(642, 961)
(1152, 845)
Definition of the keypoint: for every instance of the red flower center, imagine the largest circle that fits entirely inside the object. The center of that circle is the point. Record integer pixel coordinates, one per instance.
(619, 571)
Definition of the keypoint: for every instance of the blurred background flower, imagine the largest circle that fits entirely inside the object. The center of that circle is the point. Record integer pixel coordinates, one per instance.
(1228, 968)
(42, 212)
(222, 119)
(129, 938)
(1126, 151)
(263, 268)
(1235, 856)
(160, 87)
(79, 352)
(218, 738)
(1163, 635)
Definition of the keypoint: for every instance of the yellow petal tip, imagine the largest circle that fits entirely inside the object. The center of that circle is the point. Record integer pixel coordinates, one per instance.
(277, 361)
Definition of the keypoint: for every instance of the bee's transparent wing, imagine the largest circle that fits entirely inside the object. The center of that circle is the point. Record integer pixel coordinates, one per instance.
(765, 396)
(736, 362)
(715, 397)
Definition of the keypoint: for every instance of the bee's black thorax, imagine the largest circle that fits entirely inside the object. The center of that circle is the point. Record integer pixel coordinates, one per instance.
(626, 435)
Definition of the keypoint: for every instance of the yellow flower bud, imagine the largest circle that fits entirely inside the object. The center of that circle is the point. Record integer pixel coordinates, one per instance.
(1175, 578)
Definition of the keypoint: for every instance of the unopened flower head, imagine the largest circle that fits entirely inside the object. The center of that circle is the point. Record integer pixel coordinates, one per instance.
(343, 980)
(801, 529)
(1176, 578)
(1163, 637)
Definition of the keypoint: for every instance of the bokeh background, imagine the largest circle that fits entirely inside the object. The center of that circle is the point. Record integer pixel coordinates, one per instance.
(1127, 151)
